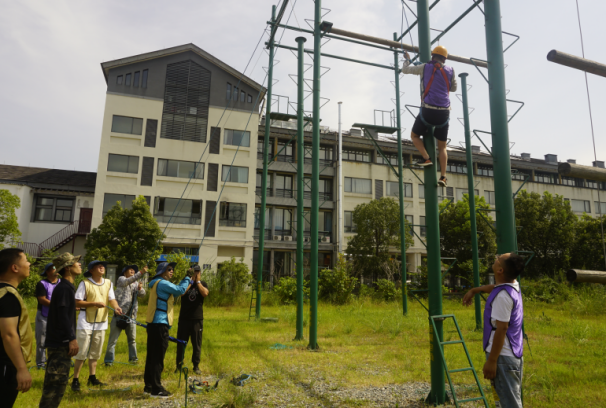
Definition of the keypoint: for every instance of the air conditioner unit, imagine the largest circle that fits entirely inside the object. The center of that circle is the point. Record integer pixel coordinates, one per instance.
(277, 237)
(326, 240)
(307, 239)
(287, 238)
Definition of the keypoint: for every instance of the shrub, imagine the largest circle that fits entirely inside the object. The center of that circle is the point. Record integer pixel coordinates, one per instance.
(547, 290)
(286, 290)
(233, 276)
(386, 290)
(337, 285)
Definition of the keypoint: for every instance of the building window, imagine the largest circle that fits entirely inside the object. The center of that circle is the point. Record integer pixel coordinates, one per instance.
(119, 79)
(600, 208)
(423, 227)
(144, 79)
(123, 164)
(125, 124)
(349, 225)
(580, 206)
(236, 175)
(285, 152)
(136, 79)
(591, 184)
(518, 175)
(489, 196)
(242, 96)
(236, 138)
(356, 155)
(447, 193)
(184, 250)
(461, 191)
(455, 167)
(228, 96)
(258, 217)
(126, 201)
(393, 159)
(393, 189)
(181, 169)
(421, 191)
(51, 209)
(282, 220)
(356, 185)
(326, 157)
(259, 185)
(270, 154)
(232, 215)
(484, 170)
(547, 178)
(127, 79)
(178, 211)
(249, 98)
(284, 186)
(324, 189)
(236, 93)
(324, 223)
(409, 219)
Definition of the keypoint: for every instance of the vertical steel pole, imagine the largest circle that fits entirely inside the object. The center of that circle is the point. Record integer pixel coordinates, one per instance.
(270, 79)
(506, 230)
(315, 181)
(434, 261)
(300, 176)
(401, 184)
(472, 201)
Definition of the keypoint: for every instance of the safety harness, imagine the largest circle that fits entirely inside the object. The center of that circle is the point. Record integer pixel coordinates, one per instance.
(437, 66)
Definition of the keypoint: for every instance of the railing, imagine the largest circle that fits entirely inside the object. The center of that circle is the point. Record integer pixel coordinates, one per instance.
(267, 233)
(30, 248)
(323, 162)
(232, 223)
(178, 219)
(284, 193)
(60, 238)
(322, 196)
(260, 189)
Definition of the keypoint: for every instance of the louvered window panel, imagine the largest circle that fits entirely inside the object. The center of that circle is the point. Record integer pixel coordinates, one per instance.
(215, 140)
(151, 129)
(210, 219)
(186, 102)
(147, 171)
(213, 177)
(378, 189)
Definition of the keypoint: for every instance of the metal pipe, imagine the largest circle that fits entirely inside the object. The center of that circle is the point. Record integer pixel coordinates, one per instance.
(400, 185)
(472, 202)
(315, 181)
(586, 172)
(573, 61)
(300, 181)
(578, 275)
(286, 47)
(340, 185)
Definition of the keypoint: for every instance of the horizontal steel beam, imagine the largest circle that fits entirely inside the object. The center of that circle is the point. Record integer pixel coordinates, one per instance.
(586, 172)
(578, 275)
(573, 61)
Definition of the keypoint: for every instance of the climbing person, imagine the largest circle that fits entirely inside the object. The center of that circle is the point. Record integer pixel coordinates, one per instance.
(437, 80)
(191, 319)
(15, 328)
(61, 343)
(93, 295)
(503, 335)
(44, 292)
(128, 288)
(159, 321)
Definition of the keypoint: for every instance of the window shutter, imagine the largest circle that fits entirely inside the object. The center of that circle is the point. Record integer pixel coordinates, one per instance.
(449, 191)
(378, 189)
(209, 219)
(147, 171)
(151, 130)
(148, 200)
(215, 140)
(213, 177)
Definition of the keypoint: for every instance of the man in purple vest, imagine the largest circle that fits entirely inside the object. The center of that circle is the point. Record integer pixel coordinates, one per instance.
(44, 291)
(437, 80)
(503, 336)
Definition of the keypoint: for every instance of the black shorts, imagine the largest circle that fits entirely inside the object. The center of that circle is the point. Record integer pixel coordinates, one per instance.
(433, 117)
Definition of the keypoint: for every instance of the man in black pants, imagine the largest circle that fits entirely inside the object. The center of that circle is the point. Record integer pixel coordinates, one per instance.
(191, 319)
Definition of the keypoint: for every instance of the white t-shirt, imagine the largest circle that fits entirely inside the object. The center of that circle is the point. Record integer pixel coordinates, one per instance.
(81, 295)
(502, 306)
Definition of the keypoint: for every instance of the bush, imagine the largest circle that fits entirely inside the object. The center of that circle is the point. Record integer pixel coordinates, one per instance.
(286, 290)
(233, 277)
(337, 285)
(27, 287)
(547, 290)
(386, 290)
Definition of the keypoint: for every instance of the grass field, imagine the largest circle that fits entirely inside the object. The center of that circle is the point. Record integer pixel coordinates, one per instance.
(365, 348)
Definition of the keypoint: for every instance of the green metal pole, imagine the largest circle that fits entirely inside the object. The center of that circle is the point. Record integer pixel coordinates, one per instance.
(270, 79)
(437, 394)
(506, 230)
(315, 182)
(472, 201)
(300, 187)
(401, 184)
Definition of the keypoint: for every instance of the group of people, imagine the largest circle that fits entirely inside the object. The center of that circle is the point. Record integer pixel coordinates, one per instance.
(61, 335)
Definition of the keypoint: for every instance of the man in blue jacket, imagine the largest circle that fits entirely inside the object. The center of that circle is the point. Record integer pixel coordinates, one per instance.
(159, 321)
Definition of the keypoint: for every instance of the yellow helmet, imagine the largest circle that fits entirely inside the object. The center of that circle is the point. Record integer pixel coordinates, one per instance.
(440, 50)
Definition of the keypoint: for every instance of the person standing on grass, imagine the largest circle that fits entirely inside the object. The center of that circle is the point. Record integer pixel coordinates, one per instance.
(159, 321)
(44, 292)
(191, 319)
(15, 328)
(128, 288)
(92, 297)
(503, 336)
(61, 343)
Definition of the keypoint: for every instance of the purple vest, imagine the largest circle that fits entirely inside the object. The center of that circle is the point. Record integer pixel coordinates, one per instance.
(50, 287)
(514, 332)
(438, 92)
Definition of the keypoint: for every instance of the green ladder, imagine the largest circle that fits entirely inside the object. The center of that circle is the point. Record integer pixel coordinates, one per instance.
(253, 297)
(448, 372)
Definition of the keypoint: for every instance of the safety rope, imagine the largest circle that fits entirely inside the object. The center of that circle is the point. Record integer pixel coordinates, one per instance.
(595, 155)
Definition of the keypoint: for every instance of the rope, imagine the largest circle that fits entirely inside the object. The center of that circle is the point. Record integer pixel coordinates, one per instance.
(595, 155)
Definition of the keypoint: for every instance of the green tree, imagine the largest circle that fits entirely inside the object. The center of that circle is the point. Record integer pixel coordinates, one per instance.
(9, 226)
(455, 228)
(378, 234)
(126, 236)
(546, 226)
(337, 285)
(233, 276)
(183, 264)
(588, 250)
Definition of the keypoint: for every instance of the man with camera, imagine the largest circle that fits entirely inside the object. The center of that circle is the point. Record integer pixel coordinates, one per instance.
(191, 318)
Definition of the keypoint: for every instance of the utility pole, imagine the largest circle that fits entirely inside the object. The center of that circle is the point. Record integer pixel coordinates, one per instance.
(300, 181)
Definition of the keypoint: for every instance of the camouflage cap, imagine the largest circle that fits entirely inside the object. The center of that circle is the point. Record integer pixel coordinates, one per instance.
(65, 259)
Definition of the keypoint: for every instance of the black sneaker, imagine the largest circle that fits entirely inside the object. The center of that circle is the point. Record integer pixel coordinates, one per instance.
(161, 394)
(95, 381)
(147, 389)
(197, 370)
(76, 385)
(423, 162)
(442, 181)
(109, 364)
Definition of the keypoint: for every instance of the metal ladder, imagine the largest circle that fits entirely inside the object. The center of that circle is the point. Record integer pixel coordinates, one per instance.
(253, 297)
(448, 372)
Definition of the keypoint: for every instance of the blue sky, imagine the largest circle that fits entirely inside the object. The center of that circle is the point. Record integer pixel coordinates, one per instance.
(53, 89)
